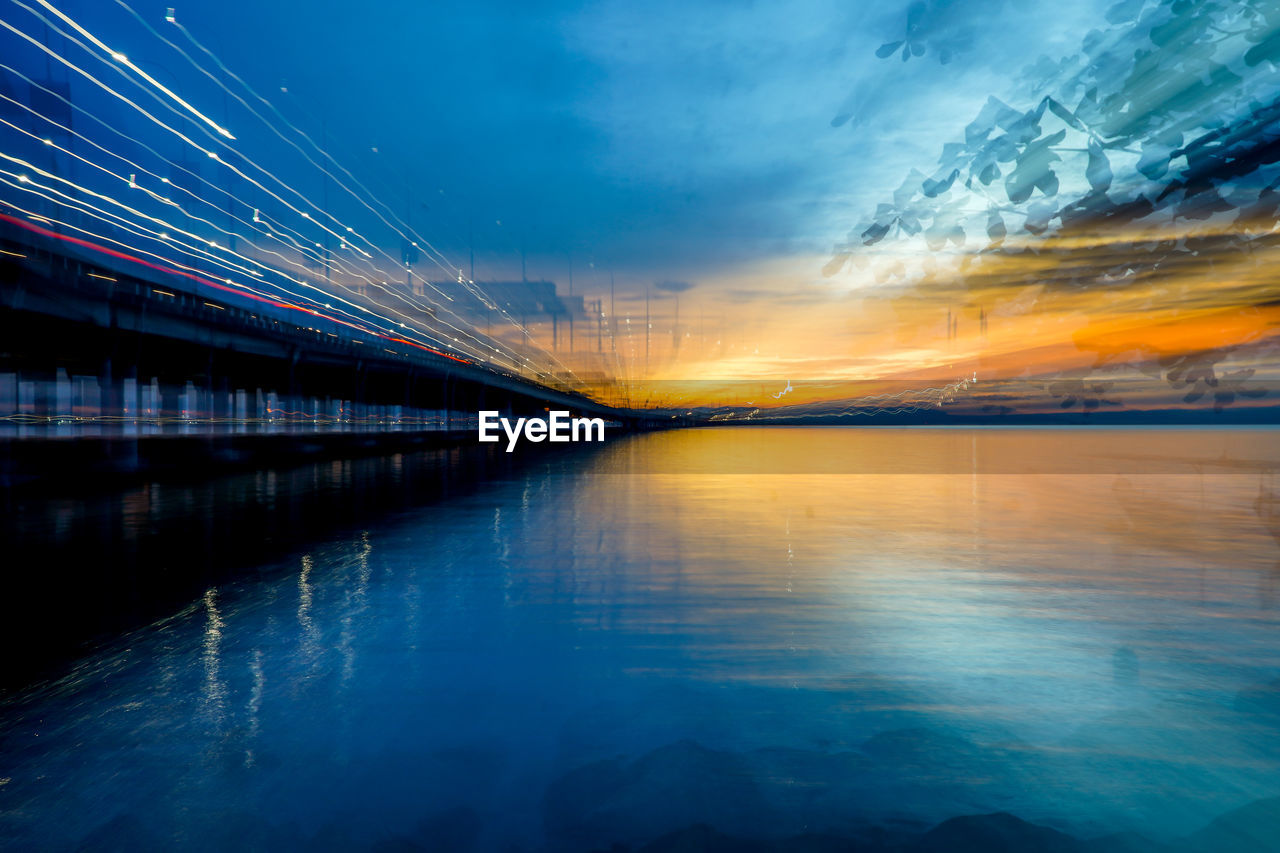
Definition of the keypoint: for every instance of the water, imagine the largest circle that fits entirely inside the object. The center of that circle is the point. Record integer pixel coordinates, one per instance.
(701, 627)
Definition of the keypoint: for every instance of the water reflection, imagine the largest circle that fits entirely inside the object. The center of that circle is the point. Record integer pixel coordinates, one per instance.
(309, 638)
(93, 561)
(599, 650)
(215, 691)
(254, 704)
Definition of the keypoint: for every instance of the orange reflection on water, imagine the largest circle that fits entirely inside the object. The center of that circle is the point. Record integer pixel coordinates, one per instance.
(920, 525)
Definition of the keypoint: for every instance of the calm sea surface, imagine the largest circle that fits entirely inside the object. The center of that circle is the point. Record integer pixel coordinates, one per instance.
(772, 631)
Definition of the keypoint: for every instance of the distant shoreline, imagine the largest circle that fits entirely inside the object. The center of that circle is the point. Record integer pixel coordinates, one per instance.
(1268, 416)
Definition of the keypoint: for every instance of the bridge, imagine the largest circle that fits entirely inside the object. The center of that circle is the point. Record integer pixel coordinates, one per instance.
(98, 343)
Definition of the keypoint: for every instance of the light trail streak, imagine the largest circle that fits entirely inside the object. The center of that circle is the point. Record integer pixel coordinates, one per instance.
(517, 359)
(438, 257)
(124, 60)
(24, 183)
(240, 289)
(110, 200)
(141, 169)
(169, 270)
(200, 251)
(31, 186)
(141, 231)
(210, 154)
(44, 232)
(183, 270)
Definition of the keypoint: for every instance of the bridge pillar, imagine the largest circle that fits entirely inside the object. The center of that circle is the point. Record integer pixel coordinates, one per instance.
(8, 394)
(61, 392)
(357, 411)
(222, 403)
(450, 400)
(129, 391)
(110, 393)
(170, 401)
(292, 390)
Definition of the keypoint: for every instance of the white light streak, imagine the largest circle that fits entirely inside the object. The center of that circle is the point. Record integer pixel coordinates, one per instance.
(124, 60)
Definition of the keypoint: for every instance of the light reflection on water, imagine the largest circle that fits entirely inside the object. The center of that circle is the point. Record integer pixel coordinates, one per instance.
(1092, 651)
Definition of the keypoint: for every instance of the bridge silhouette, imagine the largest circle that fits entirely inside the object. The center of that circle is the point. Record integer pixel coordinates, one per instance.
(99, 343)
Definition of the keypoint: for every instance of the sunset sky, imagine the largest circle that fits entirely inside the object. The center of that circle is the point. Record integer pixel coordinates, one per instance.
(807, 193)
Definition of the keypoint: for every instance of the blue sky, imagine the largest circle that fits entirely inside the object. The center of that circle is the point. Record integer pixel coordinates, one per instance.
(662, 140)
(730, 147)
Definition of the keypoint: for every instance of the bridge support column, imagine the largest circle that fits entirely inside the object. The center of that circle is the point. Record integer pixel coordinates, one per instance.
(170, 402)
(109, 392)
(61, 393)
(222, 405)
(448, 402)
(8, 394)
